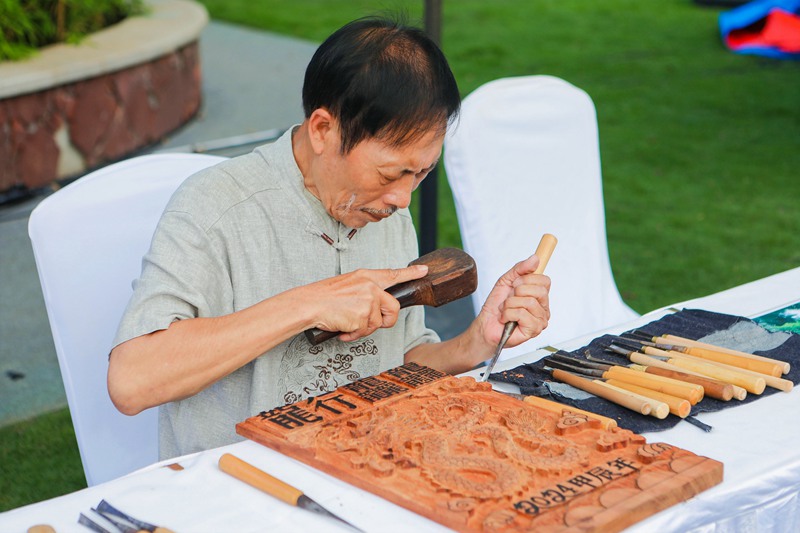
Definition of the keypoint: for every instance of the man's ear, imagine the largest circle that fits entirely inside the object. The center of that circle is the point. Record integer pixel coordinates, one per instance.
(323, 131)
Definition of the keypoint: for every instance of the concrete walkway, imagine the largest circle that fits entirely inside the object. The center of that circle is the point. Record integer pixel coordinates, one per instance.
(251, 83)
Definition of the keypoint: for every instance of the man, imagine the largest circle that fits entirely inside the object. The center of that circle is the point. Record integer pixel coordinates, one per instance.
(305, 232)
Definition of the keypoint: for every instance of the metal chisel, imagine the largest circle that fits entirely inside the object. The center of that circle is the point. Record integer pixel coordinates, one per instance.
(543, 252)
(259, 479)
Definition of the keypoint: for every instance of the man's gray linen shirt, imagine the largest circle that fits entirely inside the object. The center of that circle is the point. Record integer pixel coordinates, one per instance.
(235, 234)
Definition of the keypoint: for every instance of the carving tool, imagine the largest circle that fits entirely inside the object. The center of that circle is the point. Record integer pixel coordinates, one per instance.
(681, 389)
(119, 524)
(658, 407)
(558, 408)
(545, 249)
(679, 407)
(623, 398)
(451, 275)
(712, 388)
(753, 384)
(762, 367)
(106, 510)
(259, 479)
(696, 423)
(91, 524)
(782, 384)
(676, 340)
(739, 393)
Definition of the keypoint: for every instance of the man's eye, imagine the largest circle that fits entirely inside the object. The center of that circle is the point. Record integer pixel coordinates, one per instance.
(389, 179)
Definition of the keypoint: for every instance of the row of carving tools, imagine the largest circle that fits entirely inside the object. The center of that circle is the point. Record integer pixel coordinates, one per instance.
(668, 374)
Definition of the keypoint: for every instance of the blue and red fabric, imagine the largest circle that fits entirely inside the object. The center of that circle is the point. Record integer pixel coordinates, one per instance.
(764, 27)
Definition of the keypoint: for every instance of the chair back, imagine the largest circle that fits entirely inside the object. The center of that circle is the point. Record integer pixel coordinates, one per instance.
(524, 160)
(88, 241)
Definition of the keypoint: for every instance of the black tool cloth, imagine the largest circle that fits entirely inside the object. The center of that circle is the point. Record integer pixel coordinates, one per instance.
(689, 323)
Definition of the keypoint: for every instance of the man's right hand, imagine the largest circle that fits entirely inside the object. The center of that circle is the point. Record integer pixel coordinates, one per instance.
(357, 303)
(191, 354)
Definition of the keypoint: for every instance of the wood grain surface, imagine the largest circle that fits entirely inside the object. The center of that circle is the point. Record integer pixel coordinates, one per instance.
(473, 459)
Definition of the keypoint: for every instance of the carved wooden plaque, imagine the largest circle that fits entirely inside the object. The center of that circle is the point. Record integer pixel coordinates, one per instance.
(473, 459)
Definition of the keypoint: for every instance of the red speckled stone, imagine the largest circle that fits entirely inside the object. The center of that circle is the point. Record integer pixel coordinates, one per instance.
(108, 117)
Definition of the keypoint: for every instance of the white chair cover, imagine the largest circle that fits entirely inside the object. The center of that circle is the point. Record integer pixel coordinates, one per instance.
(524, 160)
(88, 240)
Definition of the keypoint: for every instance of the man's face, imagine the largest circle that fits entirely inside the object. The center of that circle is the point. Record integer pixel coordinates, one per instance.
(374, 180)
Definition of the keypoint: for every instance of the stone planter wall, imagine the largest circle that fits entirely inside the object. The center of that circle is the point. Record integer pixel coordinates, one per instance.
(74, 108)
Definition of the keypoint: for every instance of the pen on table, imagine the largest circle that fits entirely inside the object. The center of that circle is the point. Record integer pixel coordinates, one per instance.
(545, 249)
(273, 486)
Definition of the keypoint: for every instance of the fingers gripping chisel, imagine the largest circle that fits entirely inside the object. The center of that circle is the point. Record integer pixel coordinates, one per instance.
(543, 252)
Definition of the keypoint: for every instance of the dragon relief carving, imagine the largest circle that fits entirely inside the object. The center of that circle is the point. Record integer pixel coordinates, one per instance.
(475, 460)
(455, 442)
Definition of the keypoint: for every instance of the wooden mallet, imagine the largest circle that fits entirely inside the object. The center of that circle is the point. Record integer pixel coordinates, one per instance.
(451, 275)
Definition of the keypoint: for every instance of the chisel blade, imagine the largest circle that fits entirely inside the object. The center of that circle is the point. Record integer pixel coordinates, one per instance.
(304, 502)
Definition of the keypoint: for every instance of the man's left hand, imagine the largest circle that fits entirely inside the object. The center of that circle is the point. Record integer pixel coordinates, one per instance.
(520, 296)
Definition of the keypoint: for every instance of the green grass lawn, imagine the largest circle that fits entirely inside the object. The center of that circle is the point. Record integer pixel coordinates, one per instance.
(40, 460)
(698, 144)
(700, 149)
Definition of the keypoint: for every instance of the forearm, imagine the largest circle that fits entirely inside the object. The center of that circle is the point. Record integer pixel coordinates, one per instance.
(456, 355)
(192, 354)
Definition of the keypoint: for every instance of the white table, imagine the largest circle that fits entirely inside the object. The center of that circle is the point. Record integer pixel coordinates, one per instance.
(758, 442)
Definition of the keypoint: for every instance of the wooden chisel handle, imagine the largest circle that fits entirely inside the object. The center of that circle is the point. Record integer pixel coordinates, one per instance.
(544, 250)
(677, 406)
(658, 409)
(627, 400)
(778, 383)
(762, 367)
(711, 387)
(753, 384)
(558, 408)
(674, 339)
(740, 393)
(259, 479)
(681, 389)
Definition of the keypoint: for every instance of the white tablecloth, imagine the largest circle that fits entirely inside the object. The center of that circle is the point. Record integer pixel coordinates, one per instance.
(759, 444)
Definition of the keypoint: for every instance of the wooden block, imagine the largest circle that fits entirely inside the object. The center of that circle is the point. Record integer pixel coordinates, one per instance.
(473, 459)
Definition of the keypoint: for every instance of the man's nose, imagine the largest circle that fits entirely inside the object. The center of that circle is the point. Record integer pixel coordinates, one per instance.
(400, 193)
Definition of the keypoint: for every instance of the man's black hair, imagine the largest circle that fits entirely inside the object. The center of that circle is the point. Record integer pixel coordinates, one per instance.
(381, 79)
